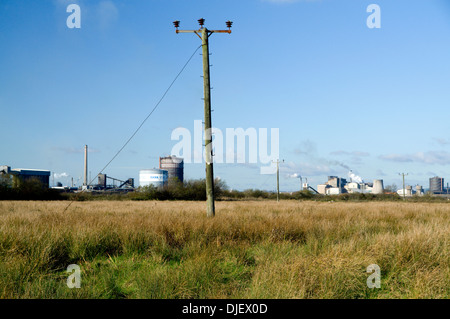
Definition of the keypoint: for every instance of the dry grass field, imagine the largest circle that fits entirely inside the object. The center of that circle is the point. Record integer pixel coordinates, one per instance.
(251, 249)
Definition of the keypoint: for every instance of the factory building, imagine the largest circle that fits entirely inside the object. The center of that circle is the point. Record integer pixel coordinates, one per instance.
(103, 179)
(174, 166)
(437, 185)
(333, 191)
(21, 175)
(419, 190)
(336, 182)
(155, 177)
(353, 187)
(336, 185)
(408, 191)
(322, 188)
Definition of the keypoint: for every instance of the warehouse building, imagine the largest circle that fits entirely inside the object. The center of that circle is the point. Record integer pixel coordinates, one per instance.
(21, 175)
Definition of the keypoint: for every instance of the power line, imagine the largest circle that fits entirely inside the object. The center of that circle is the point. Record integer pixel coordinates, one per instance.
(157, 104)
(142, 123)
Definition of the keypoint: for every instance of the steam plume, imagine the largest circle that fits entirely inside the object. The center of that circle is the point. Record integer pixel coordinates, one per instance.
(355, 178)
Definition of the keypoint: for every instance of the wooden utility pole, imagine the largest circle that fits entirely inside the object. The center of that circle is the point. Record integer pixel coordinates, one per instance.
(205, 33)
(278, 179)
(210, 209)
(404, 190)
(85, 183)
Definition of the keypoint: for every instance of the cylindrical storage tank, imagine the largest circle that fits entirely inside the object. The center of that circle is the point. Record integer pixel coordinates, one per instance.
(378, 187)
(436, 185)
(174, 165)
(155, 177)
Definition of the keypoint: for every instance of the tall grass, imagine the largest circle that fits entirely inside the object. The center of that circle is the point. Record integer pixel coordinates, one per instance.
(251, 249)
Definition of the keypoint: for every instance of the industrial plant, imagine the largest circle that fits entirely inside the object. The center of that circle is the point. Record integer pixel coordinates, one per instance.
(171, 169)
(337, 185)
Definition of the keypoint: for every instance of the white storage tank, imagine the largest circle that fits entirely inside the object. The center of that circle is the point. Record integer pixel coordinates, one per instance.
(155, 177)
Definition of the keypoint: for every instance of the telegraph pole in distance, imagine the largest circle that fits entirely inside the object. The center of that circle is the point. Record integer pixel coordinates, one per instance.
(278, 178)
(203, 33)
(404, 190)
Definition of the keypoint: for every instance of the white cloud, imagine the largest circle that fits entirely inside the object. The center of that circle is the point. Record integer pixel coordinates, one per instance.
(380, 173)
(442, 141)
(396, 158)
(306, 147)
(430, 157)
(293, 170)
(353, 153)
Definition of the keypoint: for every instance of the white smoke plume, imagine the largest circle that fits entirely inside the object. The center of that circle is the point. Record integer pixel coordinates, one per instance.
(60, 175)
(355, 178)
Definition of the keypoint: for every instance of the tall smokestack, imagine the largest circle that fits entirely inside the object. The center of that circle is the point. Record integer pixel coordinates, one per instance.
(85, 166)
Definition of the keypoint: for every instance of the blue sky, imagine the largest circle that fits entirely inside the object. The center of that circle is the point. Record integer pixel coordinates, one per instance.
(342, 95)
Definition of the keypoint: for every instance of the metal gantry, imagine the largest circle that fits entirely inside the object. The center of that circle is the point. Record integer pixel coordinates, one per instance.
(203, 33)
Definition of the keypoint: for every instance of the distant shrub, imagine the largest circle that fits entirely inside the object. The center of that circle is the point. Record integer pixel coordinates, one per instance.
(304, 194)
(28, 190)
(175, 190)
(360, 197)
